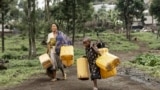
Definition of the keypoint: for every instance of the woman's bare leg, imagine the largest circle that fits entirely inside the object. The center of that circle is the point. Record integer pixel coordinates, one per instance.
(54, 74)
(63, 73)
(95, 83)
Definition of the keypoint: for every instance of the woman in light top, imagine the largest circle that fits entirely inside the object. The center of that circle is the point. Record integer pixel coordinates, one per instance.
(54, 42)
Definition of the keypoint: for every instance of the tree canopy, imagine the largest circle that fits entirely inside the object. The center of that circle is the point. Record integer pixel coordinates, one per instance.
(130, 9)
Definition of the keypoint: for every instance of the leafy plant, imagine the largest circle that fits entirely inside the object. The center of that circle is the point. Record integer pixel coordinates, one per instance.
(147, 60)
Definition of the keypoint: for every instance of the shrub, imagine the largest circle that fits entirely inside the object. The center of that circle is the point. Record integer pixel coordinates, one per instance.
(147, 60)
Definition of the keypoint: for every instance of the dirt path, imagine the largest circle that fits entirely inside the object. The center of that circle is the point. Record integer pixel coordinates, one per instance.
(127, 78)
(119, 82)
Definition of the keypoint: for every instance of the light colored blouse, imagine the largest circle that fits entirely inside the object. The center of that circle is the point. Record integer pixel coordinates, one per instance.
(50, 39)
(50, 36)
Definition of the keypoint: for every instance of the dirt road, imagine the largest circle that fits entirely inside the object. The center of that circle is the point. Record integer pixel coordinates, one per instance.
(119, 82)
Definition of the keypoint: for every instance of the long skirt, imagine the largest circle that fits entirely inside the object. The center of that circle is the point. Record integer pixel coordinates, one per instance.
(56, 62)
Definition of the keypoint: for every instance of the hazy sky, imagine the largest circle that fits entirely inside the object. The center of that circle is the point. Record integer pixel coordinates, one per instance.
(40, 3)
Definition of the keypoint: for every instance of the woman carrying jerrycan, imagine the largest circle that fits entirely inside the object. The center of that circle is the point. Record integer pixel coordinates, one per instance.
(102, 64)
(56, 39)
(92, 54)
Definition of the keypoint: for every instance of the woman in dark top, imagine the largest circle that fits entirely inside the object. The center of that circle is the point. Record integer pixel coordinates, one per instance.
(92, 54)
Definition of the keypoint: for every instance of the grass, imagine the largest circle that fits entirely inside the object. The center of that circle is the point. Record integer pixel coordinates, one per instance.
(117, 42)
(16, 47)
(78, 52)
(153, 71)
(150, 39)
(18, 71)
(19, 67)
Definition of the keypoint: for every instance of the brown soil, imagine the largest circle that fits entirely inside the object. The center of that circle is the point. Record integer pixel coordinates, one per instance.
(126, 79)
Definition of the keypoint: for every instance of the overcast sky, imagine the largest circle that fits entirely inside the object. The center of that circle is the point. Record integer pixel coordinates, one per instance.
(40, 3)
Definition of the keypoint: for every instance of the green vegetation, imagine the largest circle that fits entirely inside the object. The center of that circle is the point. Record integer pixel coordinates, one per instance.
(17, 47)
(19, 70)
(147, 62)
(78, 52)
(116, 42)
(130, 9)
(19, 67)
(149, 38)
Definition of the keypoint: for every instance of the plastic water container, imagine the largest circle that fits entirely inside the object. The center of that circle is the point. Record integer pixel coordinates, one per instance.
(107, 61)
(103, 50)
(67, 55)
(45, 61)
(82, 69)
(107, 74)
(52, 41)
(68, 63)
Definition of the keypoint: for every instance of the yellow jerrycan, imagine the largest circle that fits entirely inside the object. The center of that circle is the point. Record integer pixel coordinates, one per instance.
(107, 61)
(82, 68)
(45, 61)
(103, 50)
(107, 74)
(67, 55)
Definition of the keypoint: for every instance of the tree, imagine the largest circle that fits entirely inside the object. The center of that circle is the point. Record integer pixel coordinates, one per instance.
(129, 9)
(102, 16)
(72, 15)
(155, 11)
(114, 19)
(31, 28)
(47, 17)
(4, 8)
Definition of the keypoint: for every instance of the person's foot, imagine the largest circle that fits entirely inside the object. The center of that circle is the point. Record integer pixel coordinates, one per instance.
(95, 88)
(54, 79)
(65, 76)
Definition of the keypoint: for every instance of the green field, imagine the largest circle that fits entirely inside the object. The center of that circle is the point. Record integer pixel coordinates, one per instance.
(149, 38)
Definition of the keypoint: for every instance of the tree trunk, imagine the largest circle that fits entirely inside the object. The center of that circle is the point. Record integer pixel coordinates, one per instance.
(47, 18)
(29, 29)
(127, 22)
(84, 33)
(2, 33)
(74, 12)
(158, 32)
(129, 31)
(126, 27)
(152, 20)
(33, 30)
(68, 26)
(47, 10)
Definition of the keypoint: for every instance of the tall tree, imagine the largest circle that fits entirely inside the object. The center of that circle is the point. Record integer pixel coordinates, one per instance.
(129, 9)
(4, 8)
(155, 11)
(31, 28)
